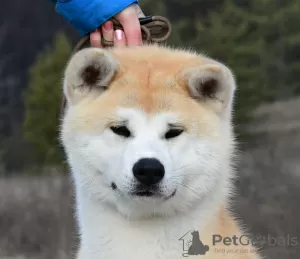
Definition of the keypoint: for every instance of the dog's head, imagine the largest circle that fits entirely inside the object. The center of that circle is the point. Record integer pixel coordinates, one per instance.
(148, 129)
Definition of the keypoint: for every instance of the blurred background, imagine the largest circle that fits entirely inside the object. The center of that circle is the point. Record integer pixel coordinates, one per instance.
(258, 39)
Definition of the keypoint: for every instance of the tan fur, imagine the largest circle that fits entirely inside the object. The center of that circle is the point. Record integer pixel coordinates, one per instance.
(133, 85)
(226, 225)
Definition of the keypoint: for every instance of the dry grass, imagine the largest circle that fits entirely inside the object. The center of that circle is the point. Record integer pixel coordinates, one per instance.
(36, 218)
(269, 188)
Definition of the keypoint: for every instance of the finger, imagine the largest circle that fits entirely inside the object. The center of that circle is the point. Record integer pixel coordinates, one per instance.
(95, 39)
(107, 31)
(139, 11)
(119, 38)
(132, 28)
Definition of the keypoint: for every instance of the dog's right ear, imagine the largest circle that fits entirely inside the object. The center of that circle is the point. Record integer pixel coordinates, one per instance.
(90, 70)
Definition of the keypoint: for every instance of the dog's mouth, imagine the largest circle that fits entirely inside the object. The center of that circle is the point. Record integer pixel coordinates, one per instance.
(142, 192)
(149, 194)
(145, 193)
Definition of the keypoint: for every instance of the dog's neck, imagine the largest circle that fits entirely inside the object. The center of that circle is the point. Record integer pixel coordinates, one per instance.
(105, 233)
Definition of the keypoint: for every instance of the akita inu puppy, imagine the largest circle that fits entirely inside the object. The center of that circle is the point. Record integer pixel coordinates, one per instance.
(148, 136)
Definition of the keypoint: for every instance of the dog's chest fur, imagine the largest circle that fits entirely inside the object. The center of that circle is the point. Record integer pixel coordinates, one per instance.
(116, 238)
(151, 239)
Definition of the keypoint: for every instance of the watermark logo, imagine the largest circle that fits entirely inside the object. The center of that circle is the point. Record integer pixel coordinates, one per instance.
(246, 240)
(192, 244)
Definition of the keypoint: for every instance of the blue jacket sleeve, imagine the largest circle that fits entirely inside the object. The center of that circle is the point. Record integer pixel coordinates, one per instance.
(88, 15)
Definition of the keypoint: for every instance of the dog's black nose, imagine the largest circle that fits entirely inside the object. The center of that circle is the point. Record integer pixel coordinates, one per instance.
(148, 171)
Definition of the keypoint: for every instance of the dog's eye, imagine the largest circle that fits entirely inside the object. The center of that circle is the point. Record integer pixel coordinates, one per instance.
(121, 131)
(173, 133)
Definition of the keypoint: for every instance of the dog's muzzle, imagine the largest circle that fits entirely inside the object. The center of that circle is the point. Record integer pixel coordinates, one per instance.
(148, 173)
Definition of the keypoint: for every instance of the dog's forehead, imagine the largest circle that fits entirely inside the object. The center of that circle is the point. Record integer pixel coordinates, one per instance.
(145, 121)
(152, 80)
(152, 94)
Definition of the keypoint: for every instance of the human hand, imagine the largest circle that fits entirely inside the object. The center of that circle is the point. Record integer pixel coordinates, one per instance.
(129, 19)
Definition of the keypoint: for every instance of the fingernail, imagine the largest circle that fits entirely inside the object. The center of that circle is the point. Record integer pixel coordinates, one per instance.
(119, 34)
(108, 26)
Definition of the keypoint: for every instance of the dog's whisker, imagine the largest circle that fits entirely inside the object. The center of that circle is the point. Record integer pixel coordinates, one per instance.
(182, 175)
(181, 167)
(194, 161)
(190, 188)
(186, 165)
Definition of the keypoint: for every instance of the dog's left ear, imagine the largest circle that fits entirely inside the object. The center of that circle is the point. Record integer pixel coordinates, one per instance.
(213, 84)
